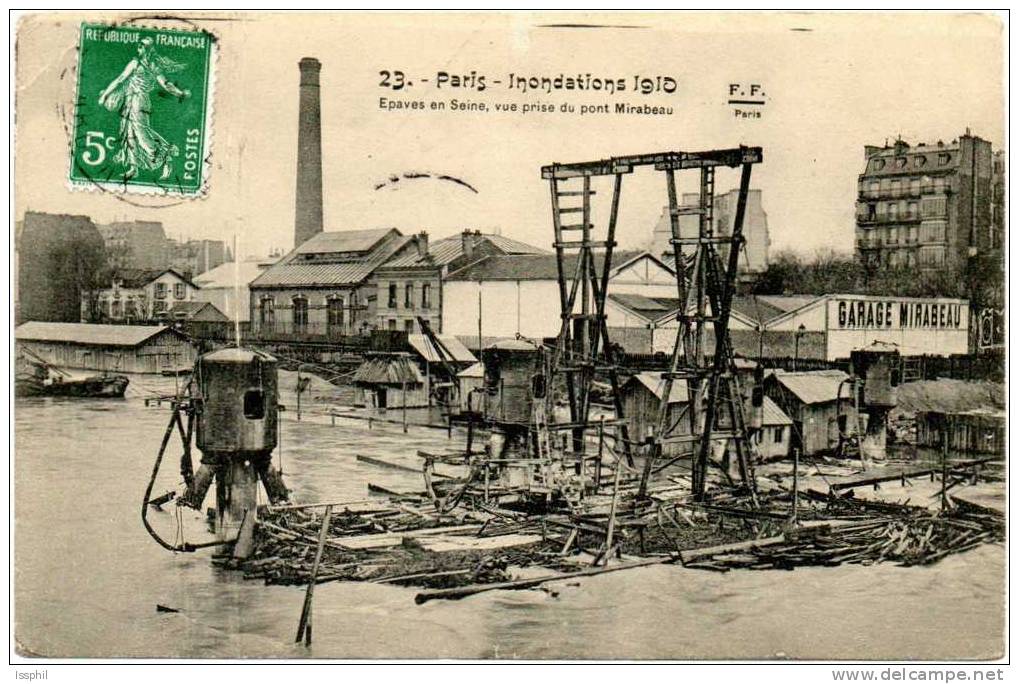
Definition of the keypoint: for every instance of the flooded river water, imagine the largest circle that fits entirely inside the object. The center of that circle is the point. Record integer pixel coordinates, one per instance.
(88, 577)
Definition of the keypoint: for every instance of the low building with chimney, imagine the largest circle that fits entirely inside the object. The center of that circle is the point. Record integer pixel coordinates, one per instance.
(412, 284)
(325, 285)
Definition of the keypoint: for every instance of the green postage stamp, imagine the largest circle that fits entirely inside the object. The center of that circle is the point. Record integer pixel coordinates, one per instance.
(143, 110)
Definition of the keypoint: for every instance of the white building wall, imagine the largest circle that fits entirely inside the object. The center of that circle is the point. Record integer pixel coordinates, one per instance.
(224, 299)
(918, 326)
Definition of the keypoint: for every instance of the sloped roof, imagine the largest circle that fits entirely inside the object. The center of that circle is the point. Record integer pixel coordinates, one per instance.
(788, 302)
(291, 271)
(756, 308)
(773, 415)
(448, 249)
(223, 276)
(511, 246)
(393, 370)
(340, 241)
(136, 278)
(528, 266)
(656, 385)
(423, 346)
(188, 310)
(87, 333)
(814, 387)
(650, 308)
(475, 371)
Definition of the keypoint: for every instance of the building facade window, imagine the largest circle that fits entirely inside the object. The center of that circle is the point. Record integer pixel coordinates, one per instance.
(158, 307)
(392, 324)
(408, 325)
(914, 186)
(912, 210)
(300, 313)
(392, 295)
(896, 187)
(408, 296)
(115, 309)
(426, 296)
(933, 231)
(179, 290)
(778, 435)
(334, 314)
(267, 311)
(160, 290)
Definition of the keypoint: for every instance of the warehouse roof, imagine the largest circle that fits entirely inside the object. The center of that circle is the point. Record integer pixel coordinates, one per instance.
(88, 333)
(334, 260)
(343, 241)
(423, 346)
(449, 249)
(529, 266)
(814, 387)
(650, 308)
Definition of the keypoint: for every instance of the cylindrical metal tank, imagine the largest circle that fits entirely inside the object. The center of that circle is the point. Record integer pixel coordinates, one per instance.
(510, 367)
(240, 406)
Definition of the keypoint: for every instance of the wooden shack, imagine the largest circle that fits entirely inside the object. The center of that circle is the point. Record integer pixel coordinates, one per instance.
(390, 380)
(112, 348)
(471, 381)
(979, 431)
(774, 438)
(814, 400)
(642, 399)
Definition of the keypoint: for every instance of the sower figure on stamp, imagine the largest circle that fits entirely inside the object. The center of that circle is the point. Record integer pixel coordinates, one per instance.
(140, 146)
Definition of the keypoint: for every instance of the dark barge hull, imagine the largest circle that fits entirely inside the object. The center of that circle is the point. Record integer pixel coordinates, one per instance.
(93, 387)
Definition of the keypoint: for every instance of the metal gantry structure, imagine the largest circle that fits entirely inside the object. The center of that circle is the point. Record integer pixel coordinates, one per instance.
(705, 281)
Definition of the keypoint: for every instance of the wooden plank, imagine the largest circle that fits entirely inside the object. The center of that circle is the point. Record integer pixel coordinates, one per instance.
(382, 463)
(691, 555)
(304, 625)
(921, 472)
(462, 592)
(384, 539)
(440, 544)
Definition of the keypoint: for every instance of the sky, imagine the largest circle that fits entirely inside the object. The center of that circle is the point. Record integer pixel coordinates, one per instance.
(832, 83)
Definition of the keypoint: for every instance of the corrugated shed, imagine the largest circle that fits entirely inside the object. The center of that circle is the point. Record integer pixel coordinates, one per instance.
(423, 346)
(815, 387)
(656, 385)
(391, 370)
(87, 333)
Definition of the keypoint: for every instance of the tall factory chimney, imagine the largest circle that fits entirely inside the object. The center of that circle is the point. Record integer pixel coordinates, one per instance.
(308, 214)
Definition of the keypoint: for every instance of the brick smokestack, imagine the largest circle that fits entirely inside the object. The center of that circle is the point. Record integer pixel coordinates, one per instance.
(308, 214)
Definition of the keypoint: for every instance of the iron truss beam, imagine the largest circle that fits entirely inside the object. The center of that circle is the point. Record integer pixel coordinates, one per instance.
(662, 161)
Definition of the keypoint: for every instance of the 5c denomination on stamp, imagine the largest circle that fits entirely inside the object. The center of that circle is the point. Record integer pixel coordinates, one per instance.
(143, 110)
